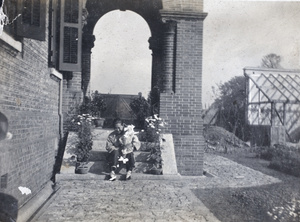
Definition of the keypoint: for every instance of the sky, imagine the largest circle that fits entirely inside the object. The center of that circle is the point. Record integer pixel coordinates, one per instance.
(121, 59)
(237, 34)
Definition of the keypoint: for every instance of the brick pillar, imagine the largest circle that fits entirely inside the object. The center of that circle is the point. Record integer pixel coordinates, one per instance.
(87, 45)
(155, 46)
(169, 56)
(180, 102)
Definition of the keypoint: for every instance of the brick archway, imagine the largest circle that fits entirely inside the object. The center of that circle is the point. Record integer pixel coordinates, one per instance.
(176, 44)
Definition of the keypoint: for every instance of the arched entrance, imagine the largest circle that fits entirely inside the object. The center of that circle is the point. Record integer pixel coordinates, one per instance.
(121, 59)
(176, 44)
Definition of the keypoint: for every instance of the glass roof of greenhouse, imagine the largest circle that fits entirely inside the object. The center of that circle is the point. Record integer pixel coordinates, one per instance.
(273, 85)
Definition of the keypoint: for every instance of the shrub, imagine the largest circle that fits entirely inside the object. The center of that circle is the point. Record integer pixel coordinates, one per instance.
(141, 108)
(263, 152)
(286, 159)
(93, 105)
(85, 139)
(152, 134)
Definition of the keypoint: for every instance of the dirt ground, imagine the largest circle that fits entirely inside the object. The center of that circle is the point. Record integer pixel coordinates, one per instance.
(274, 202)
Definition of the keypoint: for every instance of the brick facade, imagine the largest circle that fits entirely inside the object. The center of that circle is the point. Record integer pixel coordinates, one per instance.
(29, 99)
(72, 94)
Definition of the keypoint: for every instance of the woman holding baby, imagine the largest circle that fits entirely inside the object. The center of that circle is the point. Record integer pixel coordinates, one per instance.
(120, 144)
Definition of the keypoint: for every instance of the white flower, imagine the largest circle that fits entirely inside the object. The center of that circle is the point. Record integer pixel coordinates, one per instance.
(155, 116)
(79, 123)
(124, 160)
(142, 130)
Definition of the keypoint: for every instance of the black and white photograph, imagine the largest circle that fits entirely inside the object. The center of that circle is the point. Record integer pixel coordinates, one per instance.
(149, 110)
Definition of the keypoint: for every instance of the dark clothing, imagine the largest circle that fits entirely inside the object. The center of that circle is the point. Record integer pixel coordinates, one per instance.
(131, 162)
(114, 141)
(113, 159)
(116, 147)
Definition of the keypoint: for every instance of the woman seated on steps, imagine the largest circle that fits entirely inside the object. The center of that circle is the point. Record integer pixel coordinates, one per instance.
(120, 144)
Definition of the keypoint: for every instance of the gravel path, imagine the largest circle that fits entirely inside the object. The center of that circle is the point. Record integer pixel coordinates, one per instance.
(228, 173)
(274, 202)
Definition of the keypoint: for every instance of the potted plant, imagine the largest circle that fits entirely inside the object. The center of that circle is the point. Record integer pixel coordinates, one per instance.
(154, 138)
(97, 106)
(85, 142)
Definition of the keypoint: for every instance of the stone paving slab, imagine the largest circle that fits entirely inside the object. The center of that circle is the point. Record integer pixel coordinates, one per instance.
(135, 200)
(90, 197)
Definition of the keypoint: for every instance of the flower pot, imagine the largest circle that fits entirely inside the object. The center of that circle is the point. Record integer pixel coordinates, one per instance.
(99, 122)
(81, 168)
(156, 171)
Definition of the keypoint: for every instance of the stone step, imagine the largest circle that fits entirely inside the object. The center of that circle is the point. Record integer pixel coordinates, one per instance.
(102, 168)
(140, 156)
(97, 155)
(101, 134)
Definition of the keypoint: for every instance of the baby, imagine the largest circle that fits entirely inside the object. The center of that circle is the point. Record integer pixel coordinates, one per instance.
(129, 141)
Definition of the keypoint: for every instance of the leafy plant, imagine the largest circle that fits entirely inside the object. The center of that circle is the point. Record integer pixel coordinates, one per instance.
(141, 108)
(97, 104)
(85, 139)
(93, 105)
(152, 132)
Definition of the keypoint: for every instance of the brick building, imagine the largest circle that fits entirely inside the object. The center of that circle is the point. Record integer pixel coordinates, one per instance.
(45, 70)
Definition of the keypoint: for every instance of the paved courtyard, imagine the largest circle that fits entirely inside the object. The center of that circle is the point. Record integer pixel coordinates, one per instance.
(146, 197)
(135, 200)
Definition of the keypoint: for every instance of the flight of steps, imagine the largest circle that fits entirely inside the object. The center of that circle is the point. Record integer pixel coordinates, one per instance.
(98, 158)
(99, 155)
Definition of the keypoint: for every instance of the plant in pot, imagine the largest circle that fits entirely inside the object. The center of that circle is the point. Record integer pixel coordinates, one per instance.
(85, 142)
(154, 139)
(97, 106)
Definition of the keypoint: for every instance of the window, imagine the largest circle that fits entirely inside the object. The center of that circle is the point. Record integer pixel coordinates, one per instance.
(32, 22)
(70, 35)
(10, 10)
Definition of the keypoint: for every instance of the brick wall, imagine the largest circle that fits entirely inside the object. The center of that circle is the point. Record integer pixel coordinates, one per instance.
(182, 110)
(29, 98)
(72, 96)
(183, 5)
